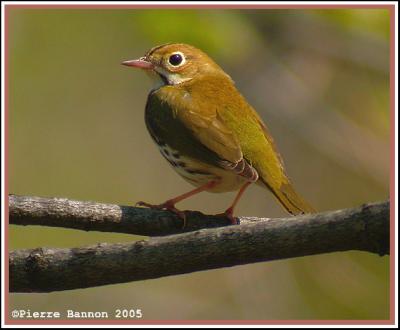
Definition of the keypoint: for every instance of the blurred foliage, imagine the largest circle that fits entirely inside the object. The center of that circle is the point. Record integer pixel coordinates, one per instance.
(371, 21)
(320, 80)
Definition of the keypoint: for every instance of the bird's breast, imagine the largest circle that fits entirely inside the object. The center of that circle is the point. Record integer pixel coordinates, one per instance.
(198, 173)
(190, 169)
(189, 158)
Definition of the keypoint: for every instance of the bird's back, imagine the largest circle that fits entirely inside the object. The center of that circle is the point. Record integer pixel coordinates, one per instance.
(255, 142)
(209, 120)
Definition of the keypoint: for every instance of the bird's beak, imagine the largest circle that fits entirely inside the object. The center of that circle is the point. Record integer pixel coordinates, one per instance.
(140, 63)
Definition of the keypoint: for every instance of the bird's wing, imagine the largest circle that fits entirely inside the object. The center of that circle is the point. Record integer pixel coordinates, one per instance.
(222, 120)
(210, 130)
(199, 134)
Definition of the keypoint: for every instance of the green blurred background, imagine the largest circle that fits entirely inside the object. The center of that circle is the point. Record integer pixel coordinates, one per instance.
(319, 79)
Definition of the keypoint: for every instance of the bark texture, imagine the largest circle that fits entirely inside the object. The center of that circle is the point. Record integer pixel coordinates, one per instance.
(365, 228)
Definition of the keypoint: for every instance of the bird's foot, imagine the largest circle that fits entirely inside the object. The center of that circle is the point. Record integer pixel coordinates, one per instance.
(229, 214)
(168, 206)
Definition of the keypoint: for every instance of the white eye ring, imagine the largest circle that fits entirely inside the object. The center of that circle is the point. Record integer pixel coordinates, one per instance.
(177, 59)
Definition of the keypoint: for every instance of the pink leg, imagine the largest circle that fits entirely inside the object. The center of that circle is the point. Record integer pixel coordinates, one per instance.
(229, 211)
(170, 203)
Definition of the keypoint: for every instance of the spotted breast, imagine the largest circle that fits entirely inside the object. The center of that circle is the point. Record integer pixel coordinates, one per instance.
(199, 173)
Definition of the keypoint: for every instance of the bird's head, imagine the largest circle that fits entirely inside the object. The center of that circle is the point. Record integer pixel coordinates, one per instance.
(173, 64)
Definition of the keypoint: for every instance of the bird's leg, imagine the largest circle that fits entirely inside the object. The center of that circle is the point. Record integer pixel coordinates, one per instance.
(170, 203)
(229, 211)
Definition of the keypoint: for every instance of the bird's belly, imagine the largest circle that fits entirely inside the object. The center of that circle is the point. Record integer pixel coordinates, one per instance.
(199, 173)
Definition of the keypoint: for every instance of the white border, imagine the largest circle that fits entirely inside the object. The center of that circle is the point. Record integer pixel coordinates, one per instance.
(396, 163)
(203, 3)
(2, 163)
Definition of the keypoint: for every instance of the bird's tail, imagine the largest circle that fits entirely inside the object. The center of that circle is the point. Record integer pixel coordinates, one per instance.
(291, 200)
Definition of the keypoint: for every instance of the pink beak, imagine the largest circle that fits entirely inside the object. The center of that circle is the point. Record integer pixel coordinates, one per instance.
(140, 63)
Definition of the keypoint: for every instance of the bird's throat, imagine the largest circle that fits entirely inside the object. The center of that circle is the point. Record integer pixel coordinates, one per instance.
(158, 80)
(161, 77)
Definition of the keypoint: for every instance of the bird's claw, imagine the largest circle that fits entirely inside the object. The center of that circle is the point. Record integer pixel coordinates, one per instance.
(168, 206)
(229, 214)
(150, 206)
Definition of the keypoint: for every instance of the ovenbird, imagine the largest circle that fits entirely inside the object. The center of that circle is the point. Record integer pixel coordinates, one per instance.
(207, 131)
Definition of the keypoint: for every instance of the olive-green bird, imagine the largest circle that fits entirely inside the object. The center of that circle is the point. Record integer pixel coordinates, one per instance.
(207, 131)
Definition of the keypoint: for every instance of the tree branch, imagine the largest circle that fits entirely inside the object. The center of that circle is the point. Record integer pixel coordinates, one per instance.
(365, 228)
(62, 212)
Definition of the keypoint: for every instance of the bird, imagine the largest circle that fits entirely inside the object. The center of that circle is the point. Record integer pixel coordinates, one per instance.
(208, 132)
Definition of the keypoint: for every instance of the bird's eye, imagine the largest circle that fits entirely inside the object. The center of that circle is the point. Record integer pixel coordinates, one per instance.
(175, 59)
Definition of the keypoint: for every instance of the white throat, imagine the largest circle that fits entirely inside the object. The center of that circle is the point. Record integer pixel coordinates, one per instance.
(172, 78)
